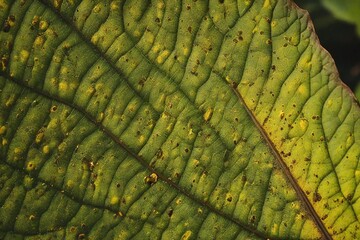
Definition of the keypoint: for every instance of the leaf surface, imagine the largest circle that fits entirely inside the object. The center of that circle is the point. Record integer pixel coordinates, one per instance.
(173, 120)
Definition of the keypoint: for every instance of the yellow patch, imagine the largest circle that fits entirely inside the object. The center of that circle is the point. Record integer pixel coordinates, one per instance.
(266, 3)
(304, 124)
(162, 56)
(46, 149)
(63, 86)
(114, 200)
(43, 25)
(2, 130)
(208, 114)
(186, 235)
(39, 137)
(24, 55)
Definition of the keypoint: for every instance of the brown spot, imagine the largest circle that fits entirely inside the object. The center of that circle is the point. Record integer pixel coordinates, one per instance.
(316, 197)
(170, 213)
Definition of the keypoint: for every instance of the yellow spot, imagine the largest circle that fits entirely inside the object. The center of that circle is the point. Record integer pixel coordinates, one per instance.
(57, 4)
(186, 235)
(186, 51)
(90, 90)
(30, 166)
(275, 229)
(266, 3)
(114, 200)
(94, 39)
(35, 20)
(160, 5)
(141, 139)
(39, 41)
(191, 132)
(281, 115)
(170, 126)
(54, 81)
(17, 150)
(329, 103)
(46, 149)
(10, 101)
(349, 141)
(151, 179)
(57, 59)
(100, 117)
(208, 114)
(43, 25)
(161, 58)
(200, 211)
(24, 55)
(228, 79)
(302, 89)
(178, 201)
(63, 86)
(64, 70)
(149, 37)
(3, 4)
(97, 8)
(274, 23)
(70, 184)
(99, 86)
(156, 48)
(4, 141)
(114, 6)
(2, 130)
(137, 33)
(248, 2)
(357, 174)
(304, 124)
(39, 137)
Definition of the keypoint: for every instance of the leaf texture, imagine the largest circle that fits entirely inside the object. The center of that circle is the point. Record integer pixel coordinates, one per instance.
(173, 120)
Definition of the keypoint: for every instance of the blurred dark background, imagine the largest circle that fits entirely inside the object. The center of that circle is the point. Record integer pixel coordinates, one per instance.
(339, 38)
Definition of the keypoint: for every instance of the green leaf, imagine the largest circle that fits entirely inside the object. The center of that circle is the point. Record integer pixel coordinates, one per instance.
(347, 10)
(173, 120)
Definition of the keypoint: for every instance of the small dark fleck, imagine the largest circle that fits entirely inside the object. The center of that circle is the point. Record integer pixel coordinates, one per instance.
(349, 197)
(221, 1)
(170, 213)
(243, 178)
(6, 27)
(317, 197)
(159, 153)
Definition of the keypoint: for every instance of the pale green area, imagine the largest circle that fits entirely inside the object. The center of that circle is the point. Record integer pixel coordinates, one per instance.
(193, 120)
(347, 10)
